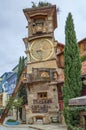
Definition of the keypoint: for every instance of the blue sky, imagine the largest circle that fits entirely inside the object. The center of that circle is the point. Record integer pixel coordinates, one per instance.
(13, 27)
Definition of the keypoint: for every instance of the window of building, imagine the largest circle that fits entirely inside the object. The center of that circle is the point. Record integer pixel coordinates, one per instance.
(38, 25)
(39, 22)
(42, 95)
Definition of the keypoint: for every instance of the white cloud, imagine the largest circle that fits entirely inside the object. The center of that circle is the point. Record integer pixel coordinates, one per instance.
(13, 27)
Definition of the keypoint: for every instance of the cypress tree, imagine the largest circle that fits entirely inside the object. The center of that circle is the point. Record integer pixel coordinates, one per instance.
(72, 62)
(22, 92)
(21, 66)
(72, 65)
(19, 70)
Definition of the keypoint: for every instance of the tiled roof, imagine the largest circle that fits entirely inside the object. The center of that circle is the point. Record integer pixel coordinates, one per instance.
(84, 39)
(60, 44)
(80, 101)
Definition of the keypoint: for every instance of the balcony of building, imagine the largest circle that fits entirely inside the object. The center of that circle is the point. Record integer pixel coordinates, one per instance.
(40, 75)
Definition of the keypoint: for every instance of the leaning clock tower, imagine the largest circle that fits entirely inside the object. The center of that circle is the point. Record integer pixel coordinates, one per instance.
(41, 75)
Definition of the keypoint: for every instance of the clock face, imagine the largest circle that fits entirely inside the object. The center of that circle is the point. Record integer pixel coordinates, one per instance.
(41, 49)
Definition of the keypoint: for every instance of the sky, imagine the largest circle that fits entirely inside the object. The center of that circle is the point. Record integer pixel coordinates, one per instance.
(13, 27)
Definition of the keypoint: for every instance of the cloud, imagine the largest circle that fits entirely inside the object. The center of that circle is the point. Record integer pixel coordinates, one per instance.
(13, 27)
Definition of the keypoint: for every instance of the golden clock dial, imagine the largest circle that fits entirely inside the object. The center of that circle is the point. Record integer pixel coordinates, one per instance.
(41, 49)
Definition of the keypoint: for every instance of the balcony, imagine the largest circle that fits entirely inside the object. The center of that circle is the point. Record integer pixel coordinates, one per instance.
(40, 75)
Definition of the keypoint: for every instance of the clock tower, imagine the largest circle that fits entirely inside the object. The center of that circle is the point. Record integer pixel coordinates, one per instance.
(41, 75)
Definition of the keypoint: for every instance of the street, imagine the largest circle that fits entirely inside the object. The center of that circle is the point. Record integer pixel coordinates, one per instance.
(35, 127)
(15, 128)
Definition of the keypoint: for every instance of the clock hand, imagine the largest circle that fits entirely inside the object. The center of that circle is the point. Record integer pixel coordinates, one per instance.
(39, 51)
(44, 49)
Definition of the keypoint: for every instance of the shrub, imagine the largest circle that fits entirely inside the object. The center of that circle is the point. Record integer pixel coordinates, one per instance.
(11, 120)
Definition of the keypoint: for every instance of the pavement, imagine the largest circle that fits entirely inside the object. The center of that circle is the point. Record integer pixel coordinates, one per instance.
(37, 126)
(2, 127)
(48, 127)
(34, 127)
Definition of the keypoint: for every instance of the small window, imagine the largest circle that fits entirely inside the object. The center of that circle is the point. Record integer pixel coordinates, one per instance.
(39, 21)
(42, 95)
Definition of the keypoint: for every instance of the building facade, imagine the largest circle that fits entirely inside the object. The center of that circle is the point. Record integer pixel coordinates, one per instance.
(7, 85)
(45, 68)
(60, 62)
(41, 64)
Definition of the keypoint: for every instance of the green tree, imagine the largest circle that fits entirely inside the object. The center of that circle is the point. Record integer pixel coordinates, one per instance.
(40, 4)
(72, 67)
(17, 105)
(22, 91)
(21, 66)
(33, 5)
